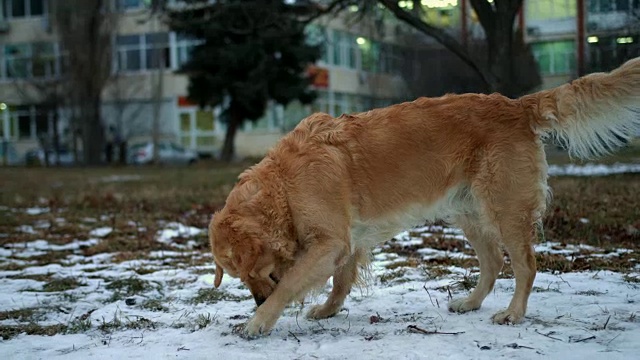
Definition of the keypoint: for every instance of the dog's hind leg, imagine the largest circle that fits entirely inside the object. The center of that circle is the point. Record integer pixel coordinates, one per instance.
(343, 280)
(490, 256)
(518, 235)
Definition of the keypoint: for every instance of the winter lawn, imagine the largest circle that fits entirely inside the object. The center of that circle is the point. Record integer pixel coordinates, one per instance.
(114, 263)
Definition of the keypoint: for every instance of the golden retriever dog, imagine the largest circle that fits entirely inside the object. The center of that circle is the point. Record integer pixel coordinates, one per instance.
(333, 188)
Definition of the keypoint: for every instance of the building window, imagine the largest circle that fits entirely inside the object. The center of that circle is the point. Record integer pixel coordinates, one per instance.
(15, 9)
(321, 104)
(36, 8)
(157, 50)
(317, 36)
(440, 13)
(18, 8)
(128, 50)
(17, 60)
(607, 53)
(369, 54)
(129, 4)
(37, 60)
(550, 9)
(44, 60)
(339, 104)
(555, 57)
(142, 52)
(605, 6)
(184, 49)
(30, 121)
(344, 49)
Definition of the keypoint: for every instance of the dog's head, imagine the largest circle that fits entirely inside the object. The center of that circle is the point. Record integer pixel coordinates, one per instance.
(243, 246)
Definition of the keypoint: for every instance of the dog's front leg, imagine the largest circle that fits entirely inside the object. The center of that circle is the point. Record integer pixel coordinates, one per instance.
(313, 268)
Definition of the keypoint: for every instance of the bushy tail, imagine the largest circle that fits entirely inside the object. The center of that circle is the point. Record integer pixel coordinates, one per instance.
(592, 115)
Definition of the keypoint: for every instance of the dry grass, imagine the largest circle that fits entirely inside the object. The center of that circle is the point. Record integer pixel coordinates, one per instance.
(80, 200)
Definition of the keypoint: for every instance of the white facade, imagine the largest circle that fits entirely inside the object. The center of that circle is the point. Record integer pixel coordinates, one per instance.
(362, 73)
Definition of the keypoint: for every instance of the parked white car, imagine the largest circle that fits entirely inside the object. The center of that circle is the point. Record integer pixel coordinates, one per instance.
(169, 153)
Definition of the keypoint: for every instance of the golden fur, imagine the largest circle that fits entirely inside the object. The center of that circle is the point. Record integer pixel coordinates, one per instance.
(334, 188)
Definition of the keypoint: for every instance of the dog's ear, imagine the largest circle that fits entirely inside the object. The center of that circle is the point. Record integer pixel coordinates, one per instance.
(252, 258)
(219, 273)
(264, 264)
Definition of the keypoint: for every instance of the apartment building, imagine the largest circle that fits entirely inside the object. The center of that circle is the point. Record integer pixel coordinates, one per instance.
(570, 38)
(360, 69)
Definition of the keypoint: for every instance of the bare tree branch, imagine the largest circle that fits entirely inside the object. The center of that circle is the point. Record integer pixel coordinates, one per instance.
(441, 36)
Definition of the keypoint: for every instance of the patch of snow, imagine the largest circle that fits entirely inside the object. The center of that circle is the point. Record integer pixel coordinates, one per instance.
(37, 210)
(175, 229)
(26, 229)
(119, 178)
(44, 245)
(592, 169)
(42, 224)
(101, 231)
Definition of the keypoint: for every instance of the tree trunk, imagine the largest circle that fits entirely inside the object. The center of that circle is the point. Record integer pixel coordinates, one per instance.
(228, 149)
(74, 138)
(497, 20)
(500, 60)
(93, 133)
(45, 148)
(123, 152)
(56, 137)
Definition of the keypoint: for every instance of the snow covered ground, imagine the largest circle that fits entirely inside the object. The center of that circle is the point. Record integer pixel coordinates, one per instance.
(164, 306)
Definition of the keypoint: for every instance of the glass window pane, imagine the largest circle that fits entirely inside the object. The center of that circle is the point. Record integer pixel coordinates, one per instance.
(24, 126)
(17, 60)
(206, 141)
(185, 122)
(338, 108)
(18, 8)
(43, 58)
(156, 57)
(204, 120)
(129, 4)
(555, 57)
(37, 7)
(337, 47)
(123, 40)
(156, 39)
(133, 60)
(42, 123)
(606, 5)
(351, 44)
(622, 5)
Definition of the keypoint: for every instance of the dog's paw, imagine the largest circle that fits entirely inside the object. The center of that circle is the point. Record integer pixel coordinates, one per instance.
(256, 327)
(462, 305)
(318, 312)
(508, 316)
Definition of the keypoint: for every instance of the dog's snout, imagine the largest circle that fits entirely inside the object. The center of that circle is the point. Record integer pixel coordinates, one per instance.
(259, 300)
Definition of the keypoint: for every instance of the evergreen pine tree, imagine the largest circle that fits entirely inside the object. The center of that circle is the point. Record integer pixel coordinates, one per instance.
(253, 51)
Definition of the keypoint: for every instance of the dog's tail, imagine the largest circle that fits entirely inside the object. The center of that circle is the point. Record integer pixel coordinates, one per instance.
(592, 115)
